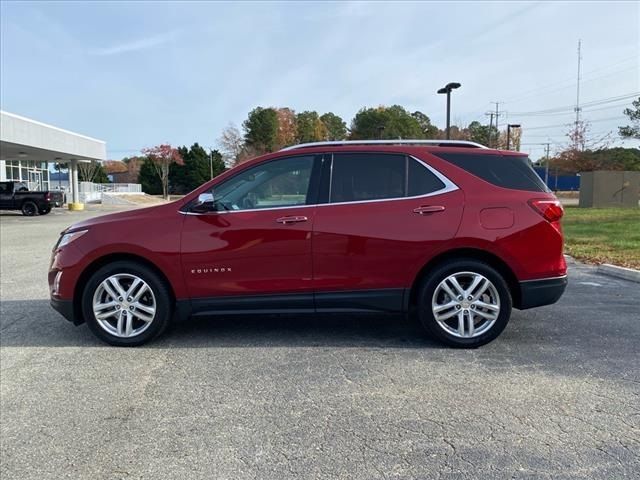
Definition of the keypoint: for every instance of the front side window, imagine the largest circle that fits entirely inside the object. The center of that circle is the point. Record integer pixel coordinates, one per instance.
(278, 183)
(360, 177)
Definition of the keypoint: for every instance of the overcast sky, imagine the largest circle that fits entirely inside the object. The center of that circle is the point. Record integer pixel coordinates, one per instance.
(138, 74)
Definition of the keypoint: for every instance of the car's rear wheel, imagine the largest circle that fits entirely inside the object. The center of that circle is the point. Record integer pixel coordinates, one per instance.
(29, 209)
(126, 304)
(464, 303)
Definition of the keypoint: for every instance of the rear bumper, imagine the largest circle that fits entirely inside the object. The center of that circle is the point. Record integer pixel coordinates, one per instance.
(64, 308)
(535, 293)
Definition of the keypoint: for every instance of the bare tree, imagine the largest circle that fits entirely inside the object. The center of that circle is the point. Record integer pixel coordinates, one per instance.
(87, 170)
(231, 144)
(577, 154)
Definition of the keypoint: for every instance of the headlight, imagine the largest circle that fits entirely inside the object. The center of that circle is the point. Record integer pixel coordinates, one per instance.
(67, 238)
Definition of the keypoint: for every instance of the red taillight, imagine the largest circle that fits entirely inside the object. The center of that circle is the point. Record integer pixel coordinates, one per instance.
(47, 196)
(551, 210)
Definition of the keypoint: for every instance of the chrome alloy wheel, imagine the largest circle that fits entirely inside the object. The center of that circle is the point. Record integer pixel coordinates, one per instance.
(124, 305)
(465, 304)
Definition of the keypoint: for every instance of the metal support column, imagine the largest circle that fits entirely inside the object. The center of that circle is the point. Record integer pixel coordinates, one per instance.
(75, 192)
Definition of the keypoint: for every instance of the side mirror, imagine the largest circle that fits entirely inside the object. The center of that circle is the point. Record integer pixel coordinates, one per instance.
(203, 204)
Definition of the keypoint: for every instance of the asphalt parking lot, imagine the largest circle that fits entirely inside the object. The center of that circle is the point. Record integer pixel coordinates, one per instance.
(556, 396)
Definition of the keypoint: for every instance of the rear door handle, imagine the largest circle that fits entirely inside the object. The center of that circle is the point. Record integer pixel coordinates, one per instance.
(292, 219)
(424, 209)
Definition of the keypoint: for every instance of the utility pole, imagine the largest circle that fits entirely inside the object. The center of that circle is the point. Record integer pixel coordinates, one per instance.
(210, 162)
(497, 129)
(491, 114)
(546, 164)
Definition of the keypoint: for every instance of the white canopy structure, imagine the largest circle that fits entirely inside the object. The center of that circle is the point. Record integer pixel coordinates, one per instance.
(27, 147)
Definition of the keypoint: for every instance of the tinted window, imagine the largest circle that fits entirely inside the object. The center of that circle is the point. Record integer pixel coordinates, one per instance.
(504, 171)
(421, 180)
(278, 183)
(364, 176)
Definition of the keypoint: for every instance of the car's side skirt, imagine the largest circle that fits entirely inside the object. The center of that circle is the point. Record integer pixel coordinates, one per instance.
(388, 300)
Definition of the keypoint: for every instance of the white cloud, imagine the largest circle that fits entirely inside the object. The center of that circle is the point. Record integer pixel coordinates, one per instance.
(135, 45)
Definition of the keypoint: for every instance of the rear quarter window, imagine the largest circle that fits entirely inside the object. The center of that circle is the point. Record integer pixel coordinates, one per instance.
(507, 171)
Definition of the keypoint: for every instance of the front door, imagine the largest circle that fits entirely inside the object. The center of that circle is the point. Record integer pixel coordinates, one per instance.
(386, 215)
(257, 241)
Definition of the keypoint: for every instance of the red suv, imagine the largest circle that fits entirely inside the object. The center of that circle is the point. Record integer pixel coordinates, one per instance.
(454, 231)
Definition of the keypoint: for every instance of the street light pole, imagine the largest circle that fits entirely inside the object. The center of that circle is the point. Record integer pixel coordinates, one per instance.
(447, 90)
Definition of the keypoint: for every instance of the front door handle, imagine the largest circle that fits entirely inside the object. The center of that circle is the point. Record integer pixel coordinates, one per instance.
(292, 219)
(424, 209)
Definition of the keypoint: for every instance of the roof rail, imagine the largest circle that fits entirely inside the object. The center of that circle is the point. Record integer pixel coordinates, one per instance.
(435, 143)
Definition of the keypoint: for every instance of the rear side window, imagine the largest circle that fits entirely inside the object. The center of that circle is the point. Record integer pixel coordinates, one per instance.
(421, 180)
(374, 176)
(362, 176)
(502, 170)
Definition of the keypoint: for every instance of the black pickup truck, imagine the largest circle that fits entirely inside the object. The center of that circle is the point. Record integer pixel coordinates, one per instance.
(16, 196)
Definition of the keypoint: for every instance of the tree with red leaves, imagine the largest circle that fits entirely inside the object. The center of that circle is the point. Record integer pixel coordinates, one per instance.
(162, 156)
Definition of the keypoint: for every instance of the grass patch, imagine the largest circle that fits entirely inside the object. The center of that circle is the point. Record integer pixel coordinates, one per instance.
(603, 235)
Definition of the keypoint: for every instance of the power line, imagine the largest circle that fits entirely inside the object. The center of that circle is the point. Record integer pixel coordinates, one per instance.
(567, 124)
(524, 135)
(569, 112)
(526, 93)
(592, 103)
(571, 85)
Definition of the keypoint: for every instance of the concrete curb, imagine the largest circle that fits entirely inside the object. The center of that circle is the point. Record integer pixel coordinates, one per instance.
(619, 272)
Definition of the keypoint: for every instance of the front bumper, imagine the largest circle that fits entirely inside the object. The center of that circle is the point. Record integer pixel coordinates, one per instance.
(535, 293)
(65, 308)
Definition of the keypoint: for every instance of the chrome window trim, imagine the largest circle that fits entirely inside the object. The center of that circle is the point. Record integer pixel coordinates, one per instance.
(449, 186)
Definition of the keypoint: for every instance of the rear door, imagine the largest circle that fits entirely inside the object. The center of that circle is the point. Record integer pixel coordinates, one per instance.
(385, 215)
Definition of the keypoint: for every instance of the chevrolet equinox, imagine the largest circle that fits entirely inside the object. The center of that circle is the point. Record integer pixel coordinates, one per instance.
(457, 233)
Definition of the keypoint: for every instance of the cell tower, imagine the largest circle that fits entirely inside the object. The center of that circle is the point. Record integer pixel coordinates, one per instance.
(577, 108)
(578, 134)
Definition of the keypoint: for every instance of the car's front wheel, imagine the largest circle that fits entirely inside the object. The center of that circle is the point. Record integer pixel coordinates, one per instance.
(464, 303)
(126, 304)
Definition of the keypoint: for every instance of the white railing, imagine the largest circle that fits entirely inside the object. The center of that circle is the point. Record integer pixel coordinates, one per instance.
(90, 187)
(92, 192)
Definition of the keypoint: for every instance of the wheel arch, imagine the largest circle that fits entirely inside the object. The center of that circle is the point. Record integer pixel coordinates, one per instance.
(98, 263)
(473, 254)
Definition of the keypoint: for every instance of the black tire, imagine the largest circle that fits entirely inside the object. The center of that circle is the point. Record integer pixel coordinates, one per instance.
(29, 209)
(441, 272)
(44, 211)
(163, 299)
